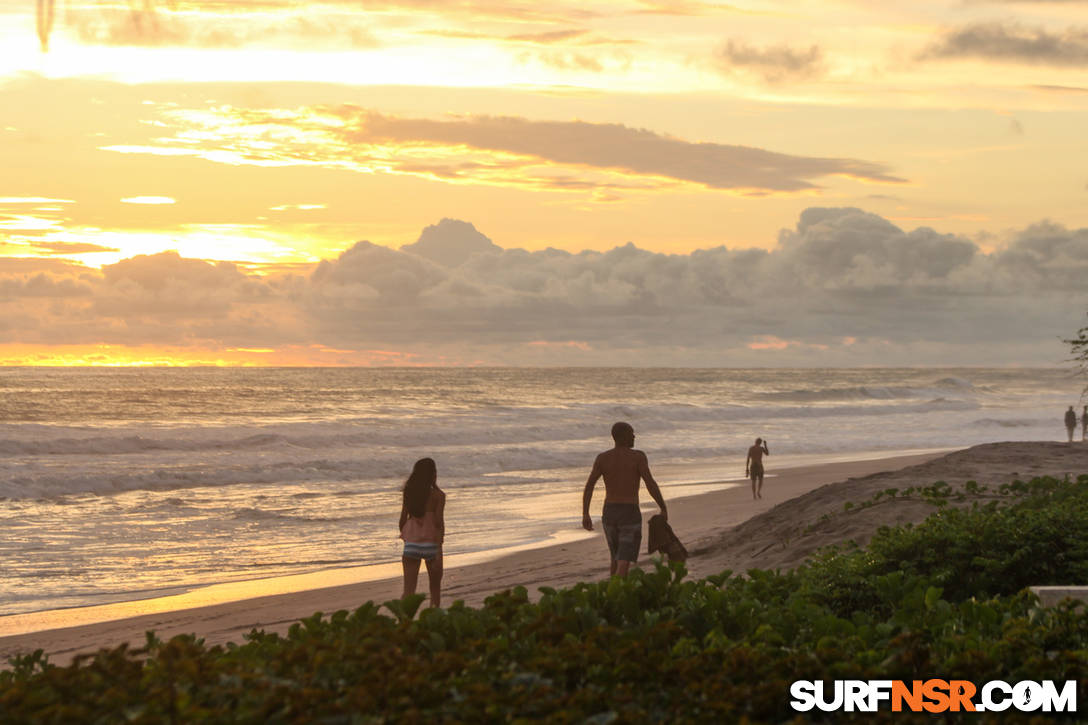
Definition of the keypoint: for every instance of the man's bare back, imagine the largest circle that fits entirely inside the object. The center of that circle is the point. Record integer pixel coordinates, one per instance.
(622, 468)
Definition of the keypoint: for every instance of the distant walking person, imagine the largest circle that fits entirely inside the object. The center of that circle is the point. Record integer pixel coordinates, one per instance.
(1084, 424)
(1070, 422)
(753, 466)
(423, 528)
(622, 467)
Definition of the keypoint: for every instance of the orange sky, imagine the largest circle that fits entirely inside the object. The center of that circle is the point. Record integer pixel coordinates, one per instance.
(272, 135)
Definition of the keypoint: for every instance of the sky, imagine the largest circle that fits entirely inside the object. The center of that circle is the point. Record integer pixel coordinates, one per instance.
(509, 182)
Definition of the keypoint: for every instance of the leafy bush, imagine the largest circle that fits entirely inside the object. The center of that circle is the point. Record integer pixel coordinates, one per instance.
(655, 647)
(1019, 535)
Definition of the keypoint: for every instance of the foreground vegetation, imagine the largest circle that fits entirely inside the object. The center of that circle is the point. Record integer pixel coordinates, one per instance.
(942, 599)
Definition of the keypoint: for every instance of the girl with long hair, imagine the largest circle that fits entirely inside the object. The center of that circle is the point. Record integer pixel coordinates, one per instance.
(423, 528)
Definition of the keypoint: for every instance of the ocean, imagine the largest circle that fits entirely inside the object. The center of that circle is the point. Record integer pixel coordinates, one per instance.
(123, 484)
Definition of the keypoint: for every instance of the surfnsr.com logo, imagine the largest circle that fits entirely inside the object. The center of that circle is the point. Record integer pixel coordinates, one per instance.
(933, 696)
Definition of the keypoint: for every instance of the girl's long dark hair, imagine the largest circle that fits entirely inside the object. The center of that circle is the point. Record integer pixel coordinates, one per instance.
(417, 489)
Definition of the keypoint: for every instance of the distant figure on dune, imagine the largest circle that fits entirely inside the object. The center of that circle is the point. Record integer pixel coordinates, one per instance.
(423, 528)
(1070, 422)
(622, 467)
(1084, 424)
(753, 466)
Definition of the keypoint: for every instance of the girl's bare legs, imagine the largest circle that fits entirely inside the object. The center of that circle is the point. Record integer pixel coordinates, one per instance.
(434, 574)
(411, 575)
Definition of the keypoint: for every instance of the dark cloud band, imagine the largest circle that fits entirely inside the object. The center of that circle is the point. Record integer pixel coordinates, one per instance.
(618, 147)
(1014, 43)
(842, 279)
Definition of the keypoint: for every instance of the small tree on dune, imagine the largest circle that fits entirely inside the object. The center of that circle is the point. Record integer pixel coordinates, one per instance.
(1078, 346)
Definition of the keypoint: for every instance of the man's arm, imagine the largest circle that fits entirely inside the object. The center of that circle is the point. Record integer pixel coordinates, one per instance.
(651, 484)
(766, 449)
(747, 461)
(587, 495)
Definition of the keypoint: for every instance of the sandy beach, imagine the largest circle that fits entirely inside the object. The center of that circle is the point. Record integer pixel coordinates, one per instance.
(721, 529)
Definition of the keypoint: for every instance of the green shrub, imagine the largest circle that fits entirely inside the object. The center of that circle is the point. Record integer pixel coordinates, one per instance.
(1027, 534)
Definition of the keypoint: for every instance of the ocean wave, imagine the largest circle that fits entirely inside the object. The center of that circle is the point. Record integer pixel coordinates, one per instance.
(254, 514)
(954, 382)
(588, 422)
(62, 484)
(941, 387)
(363, 470)
(999, 423)
(122, 444)
(367, 471)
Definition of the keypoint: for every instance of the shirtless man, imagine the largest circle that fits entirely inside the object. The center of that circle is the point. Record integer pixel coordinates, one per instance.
(753, 466)
(622, 468)
(1070, 422)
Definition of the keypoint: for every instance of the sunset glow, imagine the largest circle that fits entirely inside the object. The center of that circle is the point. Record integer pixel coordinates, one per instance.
(257, 145)
(167, 356)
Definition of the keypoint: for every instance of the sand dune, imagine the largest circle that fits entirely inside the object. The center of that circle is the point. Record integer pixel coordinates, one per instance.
(787, 534)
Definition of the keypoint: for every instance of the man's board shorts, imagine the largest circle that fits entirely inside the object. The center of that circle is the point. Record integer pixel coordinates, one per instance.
(622, 524)
(425, 550)
(756, 470)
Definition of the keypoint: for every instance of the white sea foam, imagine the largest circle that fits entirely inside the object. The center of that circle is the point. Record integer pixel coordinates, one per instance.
(528, 425)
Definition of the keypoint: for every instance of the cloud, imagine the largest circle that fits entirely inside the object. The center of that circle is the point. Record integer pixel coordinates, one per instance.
(851, 250)
(42, 285)
(1059, 89)
(774, 64)
(217, 27)
(1013, 43)
(33, 200)
(567, 61)
(367, 273)
(298, 207)
(521, 10)
(682, 7)
(45, 247)
(236, 23)
(500, 150)
(166, 299)
(569, 36)
(150, 200)
(1046, 255)
(451, 243)
(843, 286)
(28, 222)
(840, 275)
(614, 146)
(34, 265)
(513, 9)
(551, 36)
